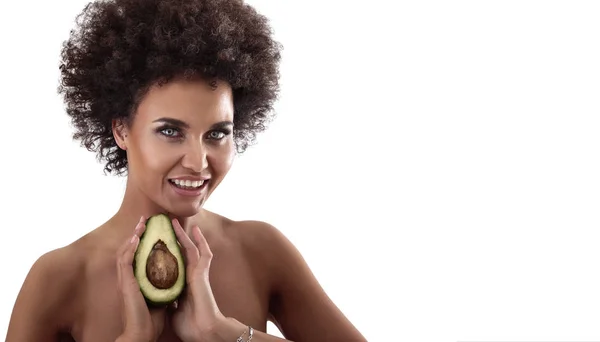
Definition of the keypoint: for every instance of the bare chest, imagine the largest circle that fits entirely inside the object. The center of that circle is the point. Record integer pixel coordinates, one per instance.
(238, 291)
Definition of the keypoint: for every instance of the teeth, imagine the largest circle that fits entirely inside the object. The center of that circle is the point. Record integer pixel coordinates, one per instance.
(187, 183)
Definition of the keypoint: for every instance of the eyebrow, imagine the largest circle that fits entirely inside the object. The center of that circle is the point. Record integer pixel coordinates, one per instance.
(183, 124)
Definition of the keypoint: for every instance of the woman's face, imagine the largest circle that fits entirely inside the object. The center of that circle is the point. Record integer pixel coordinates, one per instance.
(179, 144)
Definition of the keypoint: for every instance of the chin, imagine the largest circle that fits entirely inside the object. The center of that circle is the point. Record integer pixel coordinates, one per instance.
(184, 210)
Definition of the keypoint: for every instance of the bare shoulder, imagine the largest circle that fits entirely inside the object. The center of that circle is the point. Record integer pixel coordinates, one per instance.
(269, 246)
(264, 243)
(299, 306)
(247, 232)
(255, 233)
(44, 306)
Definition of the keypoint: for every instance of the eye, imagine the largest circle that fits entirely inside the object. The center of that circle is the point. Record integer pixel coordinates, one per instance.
(170, 132)
(216, 135)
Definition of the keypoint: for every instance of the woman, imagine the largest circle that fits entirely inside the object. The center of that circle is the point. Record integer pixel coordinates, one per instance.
(166, 91)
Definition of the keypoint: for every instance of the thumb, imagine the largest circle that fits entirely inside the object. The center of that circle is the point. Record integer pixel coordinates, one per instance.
(158, 317)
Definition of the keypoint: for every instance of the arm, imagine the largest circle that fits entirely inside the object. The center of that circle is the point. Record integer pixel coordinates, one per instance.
(38, 312)
(299, 306)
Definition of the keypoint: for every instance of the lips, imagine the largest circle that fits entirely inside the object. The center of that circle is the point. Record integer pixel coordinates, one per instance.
(187, 184)
(189, 187)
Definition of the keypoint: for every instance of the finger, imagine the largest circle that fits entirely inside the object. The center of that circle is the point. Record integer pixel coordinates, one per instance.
(158, 319)
(137, 231)
(140, 227)
(119, 276)
(205, 252)
(125, 262)
(192, 255)
(132, 297)
(123, 250)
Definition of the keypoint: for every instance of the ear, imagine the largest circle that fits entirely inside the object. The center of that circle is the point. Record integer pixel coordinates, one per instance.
(120, 133)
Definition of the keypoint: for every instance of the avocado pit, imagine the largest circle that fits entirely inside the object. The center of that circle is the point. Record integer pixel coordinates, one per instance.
(161, 268)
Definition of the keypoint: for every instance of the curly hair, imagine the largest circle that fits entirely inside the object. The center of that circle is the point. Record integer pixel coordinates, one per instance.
(120, 48)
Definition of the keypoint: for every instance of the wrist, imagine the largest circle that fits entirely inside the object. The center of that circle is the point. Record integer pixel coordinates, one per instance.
(227, 329)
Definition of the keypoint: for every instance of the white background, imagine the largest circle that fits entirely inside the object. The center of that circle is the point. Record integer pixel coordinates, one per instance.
(436, 163)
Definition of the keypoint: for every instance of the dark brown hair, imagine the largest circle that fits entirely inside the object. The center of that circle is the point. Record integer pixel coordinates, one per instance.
(119, 48)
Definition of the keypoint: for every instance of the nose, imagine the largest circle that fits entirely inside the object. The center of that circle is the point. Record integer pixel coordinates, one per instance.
(195, 157)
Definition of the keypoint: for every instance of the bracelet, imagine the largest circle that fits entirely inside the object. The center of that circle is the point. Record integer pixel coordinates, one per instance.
(250, 334)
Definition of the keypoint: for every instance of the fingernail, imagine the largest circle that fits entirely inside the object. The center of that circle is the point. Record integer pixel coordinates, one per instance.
(133, 238)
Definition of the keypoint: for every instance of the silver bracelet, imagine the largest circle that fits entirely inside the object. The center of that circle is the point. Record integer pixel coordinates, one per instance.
(250, 334)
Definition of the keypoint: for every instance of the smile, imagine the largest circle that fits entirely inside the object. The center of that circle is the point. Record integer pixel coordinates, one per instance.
(187, 184)
(189, 188)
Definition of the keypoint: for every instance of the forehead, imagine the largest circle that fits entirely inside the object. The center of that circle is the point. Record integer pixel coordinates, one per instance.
(193, 101)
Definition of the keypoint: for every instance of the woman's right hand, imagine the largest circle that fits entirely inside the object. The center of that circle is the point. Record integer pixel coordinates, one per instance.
(139, 322)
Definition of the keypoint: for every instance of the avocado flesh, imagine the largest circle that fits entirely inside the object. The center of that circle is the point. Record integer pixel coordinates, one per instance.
(158, 263)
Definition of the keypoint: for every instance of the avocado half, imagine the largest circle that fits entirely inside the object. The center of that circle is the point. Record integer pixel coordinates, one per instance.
(158, 263)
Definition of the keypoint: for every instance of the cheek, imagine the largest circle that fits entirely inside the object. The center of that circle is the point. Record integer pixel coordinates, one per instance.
(154, 158)
(221, 160)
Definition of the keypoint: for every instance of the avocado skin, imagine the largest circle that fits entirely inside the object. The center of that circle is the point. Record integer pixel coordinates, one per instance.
(147, 290)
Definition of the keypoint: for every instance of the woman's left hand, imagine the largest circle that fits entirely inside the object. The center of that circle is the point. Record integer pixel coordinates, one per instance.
(197, 315)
